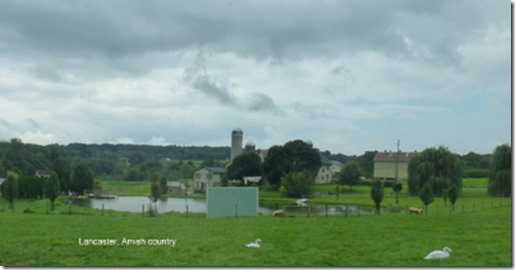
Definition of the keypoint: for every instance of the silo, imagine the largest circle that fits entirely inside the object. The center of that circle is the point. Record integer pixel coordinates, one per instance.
(236, 143)
(250, 147)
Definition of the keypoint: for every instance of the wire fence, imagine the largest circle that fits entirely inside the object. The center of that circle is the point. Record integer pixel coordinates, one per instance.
(357, 210)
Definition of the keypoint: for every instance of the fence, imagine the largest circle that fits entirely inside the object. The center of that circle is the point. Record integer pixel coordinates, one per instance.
(347, 210)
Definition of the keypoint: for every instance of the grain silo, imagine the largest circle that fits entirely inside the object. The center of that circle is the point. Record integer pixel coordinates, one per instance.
(236, 143)
(250, 147)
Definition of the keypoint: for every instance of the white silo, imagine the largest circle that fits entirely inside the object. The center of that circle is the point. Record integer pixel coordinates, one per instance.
(236, 143)
(250, 147)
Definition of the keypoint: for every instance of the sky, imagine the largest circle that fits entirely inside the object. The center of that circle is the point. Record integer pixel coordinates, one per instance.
(348, 75)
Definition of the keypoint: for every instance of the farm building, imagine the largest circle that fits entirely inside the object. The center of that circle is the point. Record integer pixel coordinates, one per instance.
(207, 177)
(324, 174)
(175, 187)
(390, 165)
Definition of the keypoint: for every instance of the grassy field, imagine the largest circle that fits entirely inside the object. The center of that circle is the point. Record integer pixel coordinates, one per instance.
(480, 238)
(479, 231)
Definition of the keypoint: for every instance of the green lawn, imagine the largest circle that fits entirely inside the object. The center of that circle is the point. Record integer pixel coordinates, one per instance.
(479, 231)
(480, 238)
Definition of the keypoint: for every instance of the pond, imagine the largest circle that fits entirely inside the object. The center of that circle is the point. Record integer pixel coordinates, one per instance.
(192, 205)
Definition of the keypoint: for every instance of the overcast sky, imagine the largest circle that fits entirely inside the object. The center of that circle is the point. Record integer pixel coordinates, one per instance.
(350, 76)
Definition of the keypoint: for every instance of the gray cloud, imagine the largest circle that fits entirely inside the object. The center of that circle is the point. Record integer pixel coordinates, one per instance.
(263, 103)
(109, 66)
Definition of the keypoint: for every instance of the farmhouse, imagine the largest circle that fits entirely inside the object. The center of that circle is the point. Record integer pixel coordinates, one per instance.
(207, 177)
(324, 174)
(390, 165)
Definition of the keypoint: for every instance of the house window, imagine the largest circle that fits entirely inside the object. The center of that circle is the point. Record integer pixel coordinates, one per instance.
(198, 176)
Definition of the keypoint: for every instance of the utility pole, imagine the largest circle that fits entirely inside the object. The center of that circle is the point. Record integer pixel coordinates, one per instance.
(397, 157)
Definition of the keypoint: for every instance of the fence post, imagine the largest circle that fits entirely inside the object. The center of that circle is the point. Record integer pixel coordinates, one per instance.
(346, 210)
(187, 210)
(102, 209)
(143, 210)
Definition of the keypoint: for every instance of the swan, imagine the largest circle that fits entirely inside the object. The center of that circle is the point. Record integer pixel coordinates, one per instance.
(302, 202)
(439, 254)
(254, 244)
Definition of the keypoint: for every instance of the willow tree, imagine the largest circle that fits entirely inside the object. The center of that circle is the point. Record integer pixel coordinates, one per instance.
(499, 183)
(437, 167)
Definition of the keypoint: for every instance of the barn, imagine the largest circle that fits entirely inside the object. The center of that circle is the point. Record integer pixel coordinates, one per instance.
(392, 165)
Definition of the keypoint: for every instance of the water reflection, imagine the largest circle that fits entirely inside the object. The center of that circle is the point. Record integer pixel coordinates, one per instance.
(136, 204)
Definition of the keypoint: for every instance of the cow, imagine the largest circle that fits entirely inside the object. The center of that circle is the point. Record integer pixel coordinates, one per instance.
(416, 211)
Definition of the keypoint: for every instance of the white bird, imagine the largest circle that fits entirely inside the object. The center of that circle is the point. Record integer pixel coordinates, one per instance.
(254, 244)
(439, 254)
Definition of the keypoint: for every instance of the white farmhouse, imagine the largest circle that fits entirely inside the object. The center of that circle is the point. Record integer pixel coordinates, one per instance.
(207, 177)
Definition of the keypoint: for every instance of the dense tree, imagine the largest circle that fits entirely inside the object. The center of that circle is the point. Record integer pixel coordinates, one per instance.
(294, 156)
(366, 163)
(397, 188)
(246, 164)
(297, 185)
(453, 194)
(82, 178)
(164, 185)
(377, 194)
(426, 195)
(64, 172)
(10, 188)
(437, 167)
(276, 164)
(499, 178)
(31, 186)
(350, 174)
(52, 188)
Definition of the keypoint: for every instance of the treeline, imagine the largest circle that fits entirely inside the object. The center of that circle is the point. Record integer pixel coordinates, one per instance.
(137, 162)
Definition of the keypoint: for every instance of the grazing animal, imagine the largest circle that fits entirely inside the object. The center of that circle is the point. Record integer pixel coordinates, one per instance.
(414, 210)
(254, 244)
(439, 254)
(278, 213)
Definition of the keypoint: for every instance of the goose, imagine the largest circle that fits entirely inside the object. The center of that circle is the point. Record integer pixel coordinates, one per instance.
(254, 244)
(438, 254)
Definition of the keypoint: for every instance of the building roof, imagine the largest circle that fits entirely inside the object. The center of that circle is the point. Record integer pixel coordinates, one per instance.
(218, 170)
(324, 160)
(394, 156)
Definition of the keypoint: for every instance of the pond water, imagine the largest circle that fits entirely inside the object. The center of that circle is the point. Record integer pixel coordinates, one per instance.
(136, 203)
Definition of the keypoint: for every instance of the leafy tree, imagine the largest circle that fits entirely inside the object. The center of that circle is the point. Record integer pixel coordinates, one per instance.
(52, 188)
(366, 163)
(163, 185)
(436, 166)
(499, 183)
(453, 194)
(82, 178)
(297, 184)
(426, 195)
(10, 188)
(246, 164)
(294, 156)
(377, 194)
(349, 174)
(397, 188)
(64, 172)
(276, 164)
(155, 195)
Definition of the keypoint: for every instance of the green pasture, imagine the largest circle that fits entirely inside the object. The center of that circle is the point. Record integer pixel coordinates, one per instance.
(479, 231)
(480, 238)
